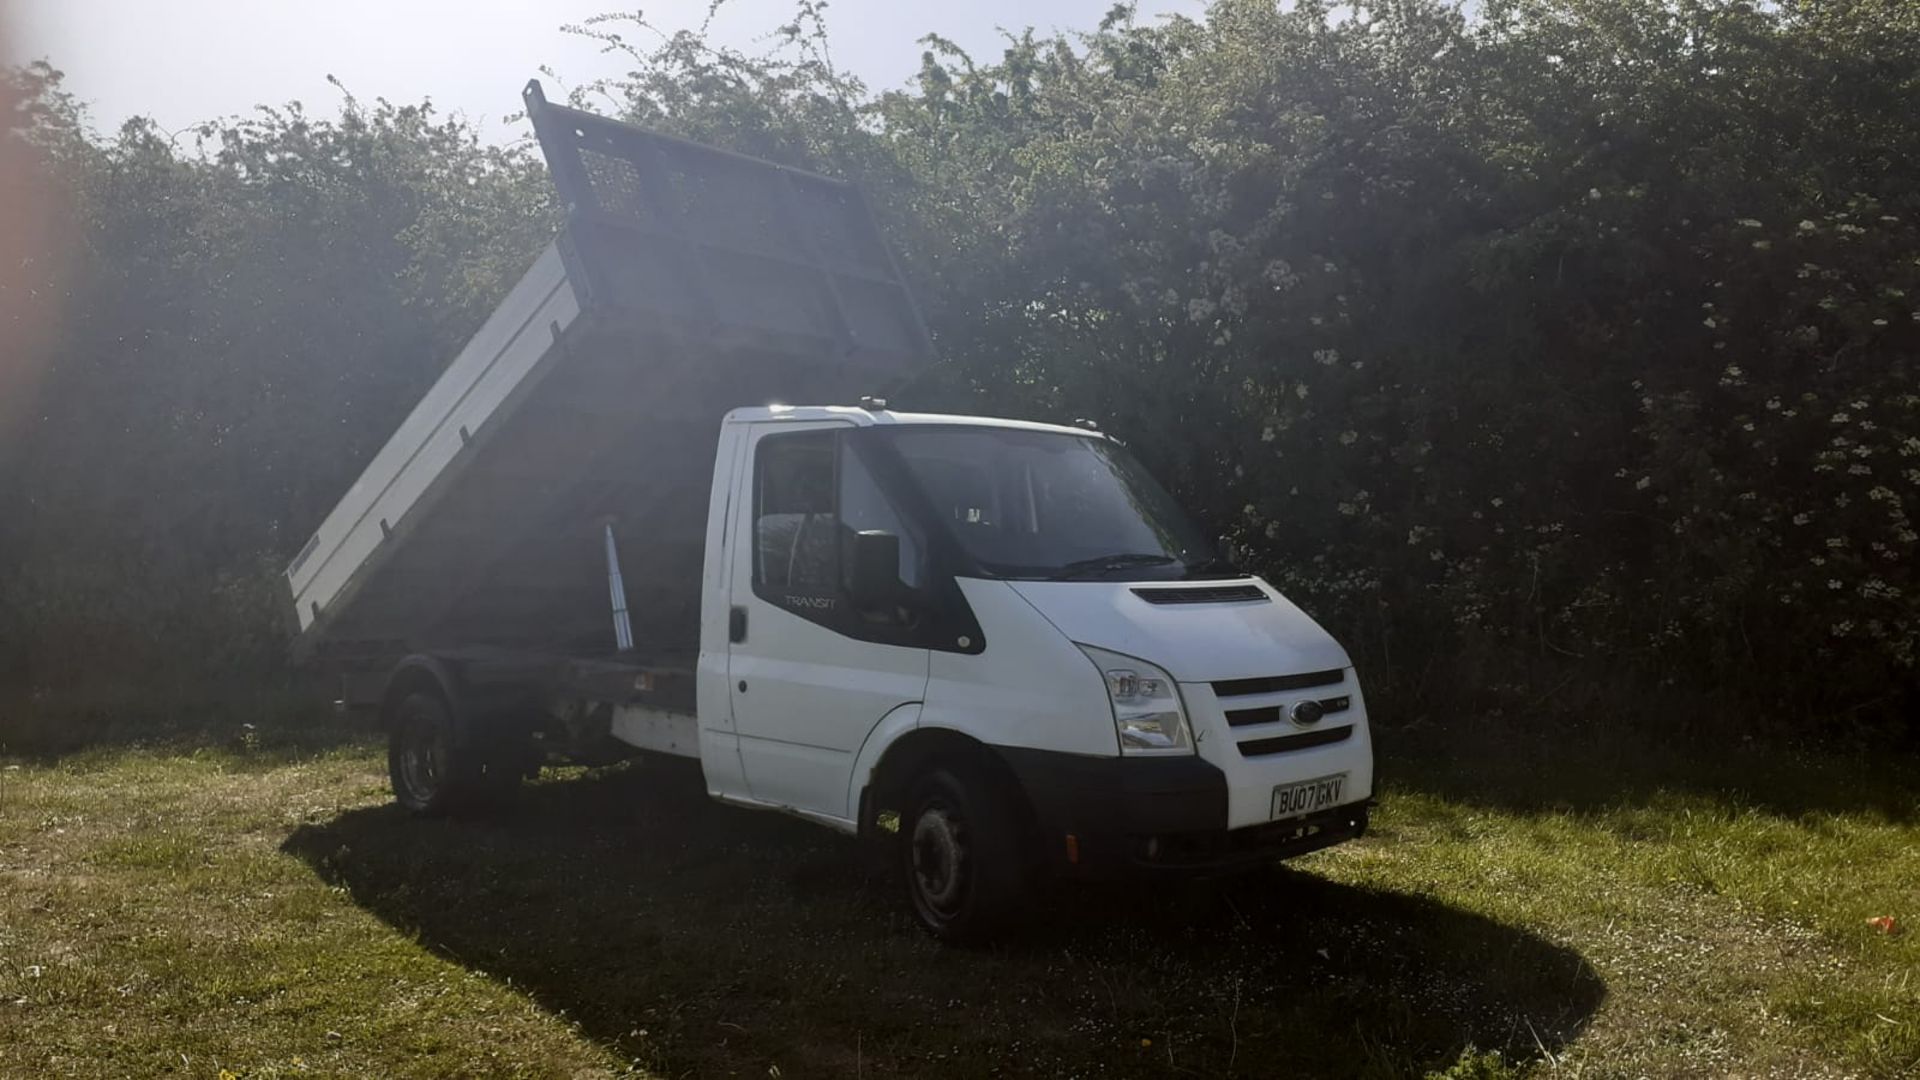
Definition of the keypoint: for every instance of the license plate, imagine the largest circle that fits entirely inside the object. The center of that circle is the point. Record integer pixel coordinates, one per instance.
(1292, 800)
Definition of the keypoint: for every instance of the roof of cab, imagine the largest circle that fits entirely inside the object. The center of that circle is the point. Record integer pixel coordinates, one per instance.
(853, 414)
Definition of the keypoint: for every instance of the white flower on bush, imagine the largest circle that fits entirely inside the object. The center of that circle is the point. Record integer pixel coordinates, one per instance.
(1802, 518)
(1643, 483)
(1876, 589)
(1348, 438)
(1326, 357)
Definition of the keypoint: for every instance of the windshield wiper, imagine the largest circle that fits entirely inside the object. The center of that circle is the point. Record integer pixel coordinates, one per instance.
(1101, 563)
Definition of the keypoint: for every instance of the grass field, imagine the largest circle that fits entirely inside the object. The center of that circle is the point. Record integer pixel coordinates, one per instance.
(1576, 907)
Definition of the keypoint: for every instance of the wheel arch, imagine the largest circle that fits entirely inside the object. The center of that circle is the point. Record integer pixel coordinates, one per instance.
(884, 784)
(416, 674)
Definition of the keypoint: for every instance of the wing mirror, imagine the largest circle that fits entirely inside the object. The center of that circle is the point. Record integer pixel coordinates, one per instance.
(873, 571)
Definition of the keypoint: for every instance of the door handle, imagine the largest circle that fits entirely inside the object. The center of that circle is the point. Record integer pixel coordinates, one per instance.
(737, 625)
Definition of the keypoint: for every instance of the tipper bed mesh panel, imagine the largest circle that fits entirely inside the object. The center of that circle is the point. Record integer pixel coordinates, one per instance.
(742, 249)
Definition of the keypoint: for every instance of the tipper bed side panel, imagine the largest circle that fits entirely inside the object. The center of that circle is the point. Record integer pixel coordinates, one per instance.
(492, 367)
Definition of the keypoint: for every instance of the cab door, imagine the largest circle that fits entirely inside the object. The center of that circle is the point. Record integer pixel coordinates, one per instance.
(811, 676)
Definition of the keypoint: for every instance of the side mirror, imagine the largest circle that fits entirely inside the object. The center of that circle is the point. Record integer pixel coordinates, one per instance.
(873, 571)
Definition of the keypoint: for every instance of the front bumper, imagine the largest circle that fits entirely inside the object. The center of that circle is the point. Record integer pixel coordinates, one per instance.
(1099, 816)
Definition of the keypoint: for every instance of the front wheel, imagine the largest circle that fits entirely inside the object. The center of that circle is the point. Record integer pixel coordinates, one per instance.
(961, 853)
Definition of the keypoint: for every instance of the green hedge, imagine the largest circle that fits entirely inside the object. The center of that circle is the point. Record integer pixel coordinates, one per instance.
(1553, 357)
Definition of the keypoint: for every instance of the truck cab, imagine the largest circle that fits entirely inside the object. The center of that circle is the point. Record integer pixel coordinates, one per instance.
(924, 615)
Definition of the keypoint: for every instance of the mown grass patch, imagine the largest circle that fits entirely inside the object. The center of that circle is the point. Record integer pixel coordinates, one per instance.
(1525, 905)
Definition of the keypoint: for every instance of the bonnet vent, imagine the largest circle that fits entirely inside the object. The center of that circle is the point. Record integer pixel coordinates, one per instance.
(1203, 594)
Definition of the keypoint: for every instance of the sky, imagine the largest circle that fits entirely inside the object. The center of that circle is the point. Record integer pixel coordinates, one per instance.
(184, 61)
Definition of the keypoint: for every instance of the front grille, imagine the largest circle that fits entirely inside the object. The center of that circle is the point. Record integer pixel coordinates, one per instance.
(1286, 744)
(1271, 713)
(1274, 684)
(1207, 594)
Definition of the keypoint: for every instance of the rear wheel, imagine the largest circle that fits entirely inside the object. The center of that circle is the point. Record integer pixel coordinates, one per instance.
(434, 769)
(420, 754)
(961, 853)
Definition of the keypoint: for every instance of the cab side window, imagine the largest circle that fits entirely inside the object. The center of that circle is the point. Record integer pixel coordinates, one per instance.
(795, 541)
(864, 507)
(812, 496)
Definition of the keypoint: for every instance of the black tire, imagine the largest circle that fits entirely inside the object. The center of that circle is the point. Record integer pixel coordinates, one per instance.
(961, 853)
(435, 768)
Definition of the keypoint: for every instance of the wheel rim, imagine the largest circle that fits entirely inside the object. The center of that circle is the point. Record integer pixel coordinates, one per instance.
(941, 858)
(423, 755)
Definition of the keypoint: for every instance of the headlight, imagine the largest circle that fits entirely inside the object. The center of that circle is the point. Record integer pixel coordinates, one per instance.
(1146, 705)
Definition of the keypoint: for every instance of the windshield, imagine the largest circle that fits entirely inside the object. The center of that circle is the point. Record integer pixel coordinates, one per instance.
(1042, 504)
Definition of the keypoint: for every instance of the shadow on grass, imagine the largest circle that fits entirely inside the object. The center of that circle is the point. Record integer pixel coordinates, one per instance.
(1587, 769)
(699, 939)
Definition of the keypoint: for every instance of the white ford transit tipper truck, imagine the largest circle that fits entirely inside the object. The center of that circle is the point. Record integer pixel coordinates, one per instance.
(999, 647)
